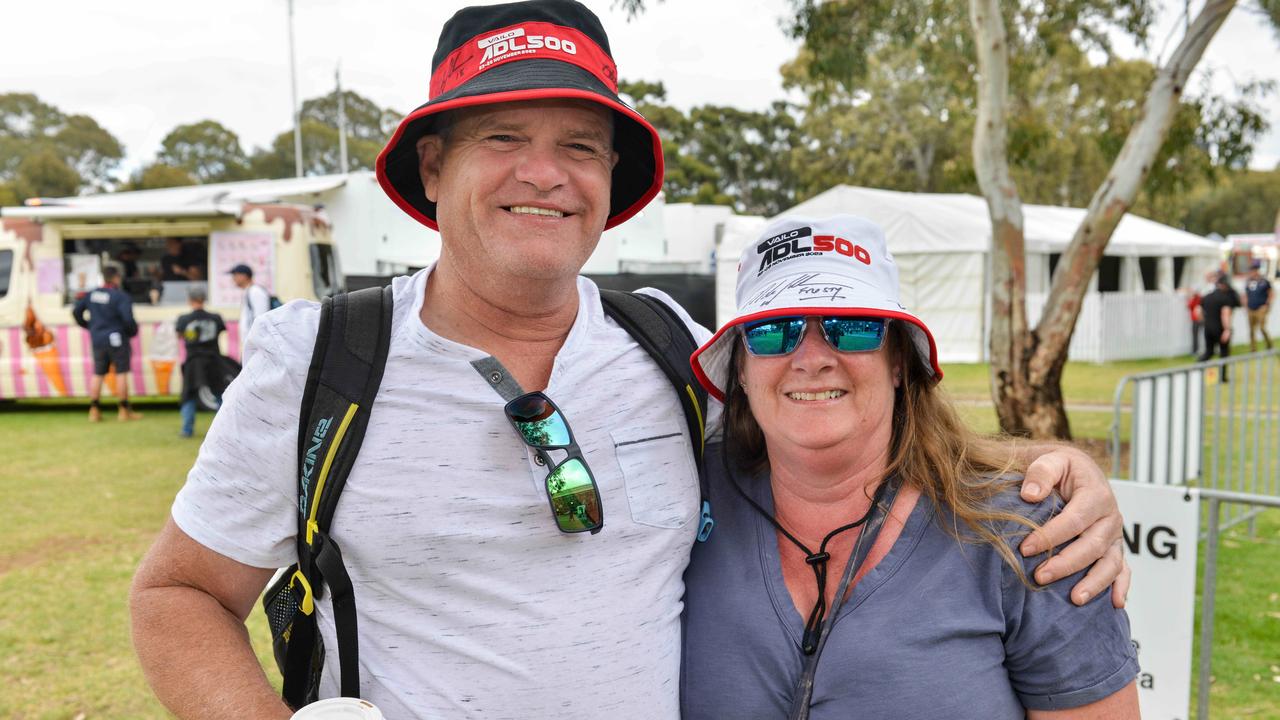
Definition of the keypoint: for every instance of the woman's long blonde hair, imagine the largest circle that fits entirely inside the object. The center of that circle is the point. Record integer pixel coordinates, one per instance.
(931, 449)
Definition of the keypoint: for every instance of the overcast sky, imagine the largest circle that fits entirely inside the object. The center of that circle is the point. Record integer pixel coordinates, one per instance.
(144, 66)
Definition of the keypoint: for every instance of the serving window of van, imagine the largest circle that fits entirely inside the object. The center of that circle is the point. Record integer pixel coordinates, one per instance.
(6, 270)
(154, 270)
(324, 271)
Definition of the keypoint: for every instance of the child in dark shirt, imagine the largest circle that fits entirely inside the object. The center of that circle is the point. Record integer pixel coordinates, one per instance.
(199, 330)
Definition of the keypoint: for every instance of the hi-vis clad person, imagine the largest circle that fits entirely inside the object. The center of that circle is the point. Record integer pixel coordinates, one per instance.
(516, 525)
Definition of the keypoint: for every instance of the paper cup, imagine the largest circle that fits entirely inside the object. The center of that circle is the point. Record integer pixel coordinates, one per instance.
(339, 709)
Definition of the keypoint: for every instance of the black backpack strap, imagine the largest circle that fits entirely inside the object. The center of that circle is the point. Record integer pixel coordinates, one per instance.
(663, 334)
(346, 369)
(329, 563)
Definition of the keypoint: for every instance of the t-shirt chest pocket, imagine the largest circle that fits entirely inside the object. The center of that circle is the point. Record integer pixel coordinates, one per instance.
(660, 475)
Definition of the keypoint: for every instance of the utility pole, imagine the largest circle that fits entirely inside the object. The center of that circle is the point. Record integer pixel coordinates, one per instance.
(342, 121)
(297, 115)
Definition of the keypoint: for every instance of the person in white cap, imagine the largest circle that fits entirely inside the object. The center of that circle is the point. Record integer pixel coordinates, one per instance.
(473, 601)
(862, 525)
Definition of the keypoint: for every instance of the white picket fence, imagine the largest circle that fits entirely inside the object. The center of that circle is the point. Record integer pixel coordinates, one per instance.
(1125, 326)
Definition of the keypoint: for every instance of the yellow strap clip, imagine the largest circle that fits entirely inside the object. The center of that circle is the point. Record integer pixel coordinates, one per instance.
(308, 600)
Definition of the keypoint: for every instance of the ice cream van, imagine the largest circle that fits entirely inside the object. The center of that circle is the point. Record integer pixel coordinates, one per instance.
(164, 242)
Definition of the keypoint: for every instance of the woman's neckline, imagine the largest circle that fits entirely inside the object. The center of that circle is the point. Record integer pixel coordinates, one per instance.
(908, 516)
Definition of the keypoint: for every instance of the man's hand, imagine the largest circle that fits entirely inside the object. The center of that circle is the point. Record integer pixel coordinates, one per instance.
(1090, 519)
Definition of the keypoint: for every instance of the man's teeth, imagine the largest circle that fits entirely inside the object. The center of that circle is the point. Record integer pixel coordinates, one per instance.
(825, 395)
(526, 210)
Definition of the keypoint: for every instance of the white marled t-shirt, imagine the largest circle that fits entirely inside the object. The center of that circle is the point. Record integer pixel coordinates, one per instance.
(470, 602)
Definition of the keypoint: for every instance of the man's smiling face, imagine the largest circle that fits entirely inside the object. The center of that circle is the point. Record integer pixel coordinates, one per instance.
(522, 189)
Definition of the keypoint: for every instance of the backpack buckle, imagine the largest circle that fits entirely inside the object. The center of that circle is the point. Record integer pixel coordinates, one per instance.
(706, 523)
(308, 603)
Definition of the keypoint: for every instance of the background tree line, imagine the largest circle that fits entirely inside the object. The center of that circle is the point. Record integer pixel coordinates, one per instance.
(47, 153)
(903, 121)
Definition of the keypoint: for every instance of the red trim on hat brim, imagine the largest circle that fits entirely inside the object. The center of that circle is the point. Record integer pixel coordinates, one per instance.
(718, 394)
(515, 96)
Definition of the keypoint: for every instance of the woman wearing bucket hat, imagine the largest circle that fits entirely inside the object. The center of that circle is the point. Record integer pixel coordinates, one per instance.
(865, 543)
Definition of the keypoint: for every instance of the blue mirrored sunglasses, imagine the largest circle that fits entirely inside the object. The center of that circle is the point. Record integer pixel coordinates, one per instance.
(782, 335)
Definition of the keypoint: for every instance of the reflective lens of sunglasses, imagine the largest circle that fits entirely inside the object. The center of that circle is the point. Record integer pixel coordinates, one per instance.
(853, 334)
(776, 336)
(780, 336)
(571, 490)
(573, 495)
(539, 422)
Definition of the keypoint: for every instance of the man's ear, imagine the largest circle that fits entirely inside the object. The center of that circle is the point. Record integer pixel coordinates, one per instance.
(430, 157)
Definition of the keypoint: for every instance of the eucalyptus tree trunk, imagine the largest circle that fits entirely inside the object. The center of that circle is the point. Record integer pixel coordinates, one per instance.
(1026, 364)
(1019, 410)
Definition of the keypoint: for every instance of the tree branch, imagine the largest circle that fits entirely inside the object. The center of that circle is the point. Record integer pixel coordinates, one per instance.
(1116, 194)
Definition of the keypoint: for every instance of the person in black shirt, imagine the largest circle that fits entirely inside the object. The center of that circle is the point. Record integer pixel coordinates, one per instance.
(172, 263)
(199, 330)
(1216, 307)
(128, 257)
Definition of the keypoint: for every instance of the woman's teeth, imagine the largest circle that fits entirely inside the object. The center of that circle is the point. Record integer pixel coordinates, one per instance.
(825, 395)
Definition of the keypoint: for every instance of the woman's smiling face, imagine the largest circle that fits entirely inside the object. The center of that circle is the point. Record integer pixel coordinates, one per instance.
(817, 398)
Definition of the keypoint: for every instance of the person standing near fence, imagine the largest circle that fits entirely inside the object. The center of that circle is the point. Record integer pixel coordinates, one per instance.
(1197, 318)
(1258, 296)
(1216, 308)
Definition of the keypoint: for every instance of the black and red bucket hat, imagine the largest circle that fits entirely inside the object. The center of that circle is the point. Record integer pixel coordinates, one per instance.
(524, 51)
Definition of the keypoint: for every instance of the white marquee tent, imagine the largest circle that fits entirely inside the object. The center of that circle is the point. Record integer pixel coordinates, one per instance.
(942, 242)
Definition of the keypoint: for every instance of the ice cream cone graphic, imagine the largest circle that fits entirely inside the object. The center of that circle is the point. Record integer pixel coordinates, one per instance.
(164, 355)
(45, 350)
(51, 366)
(163, 370)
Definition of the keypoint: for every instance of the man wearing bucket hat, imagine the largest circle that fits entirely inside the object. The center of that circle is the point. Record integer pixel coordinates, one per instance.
(842, 464)
(472, 599)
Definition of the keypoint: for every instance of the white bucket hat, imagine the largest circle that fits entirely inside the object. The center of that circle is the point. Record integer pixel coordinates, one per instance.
(838, 265)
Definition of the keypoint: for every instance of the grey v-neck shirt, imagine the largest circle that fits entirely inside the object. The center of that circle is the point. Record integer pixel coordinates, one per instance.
(938, 629)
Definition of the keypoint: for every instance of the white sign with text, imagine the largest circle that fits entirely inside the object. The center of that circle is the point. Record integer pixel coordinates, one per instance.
(1161, 530)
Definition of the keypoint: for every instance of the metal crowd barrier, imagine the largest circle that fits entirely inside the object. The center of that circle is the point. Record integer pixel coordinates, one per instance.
(1208, 590)
(1214, 424)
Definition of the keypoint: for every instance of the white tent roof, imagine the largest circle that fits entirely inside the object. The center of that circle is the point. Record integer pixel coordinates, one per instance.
(189, 201)
(942, 223)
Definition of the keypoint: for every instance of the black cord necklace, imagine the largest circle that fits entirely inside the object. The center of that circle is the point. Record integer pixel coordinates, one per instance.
(816, 560)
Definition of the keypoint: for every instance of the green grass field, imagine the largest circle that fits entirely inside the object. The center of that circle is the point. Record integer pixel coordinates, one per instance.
(84, 503)
(1081, 382)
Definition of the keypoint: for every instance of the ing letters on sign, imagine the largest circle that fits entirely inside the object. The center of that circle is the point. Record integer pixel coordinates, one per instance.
(1160, 541)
